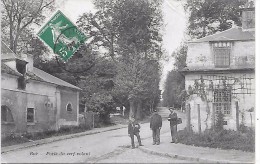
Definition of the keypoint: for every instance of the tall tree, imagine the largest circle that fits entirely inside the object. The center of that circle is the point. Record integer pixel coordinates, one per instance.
(130, 32)
(175, 81)
(209, 16)
(174, 85)
(30, 43)
(90, 72)
(18, 16)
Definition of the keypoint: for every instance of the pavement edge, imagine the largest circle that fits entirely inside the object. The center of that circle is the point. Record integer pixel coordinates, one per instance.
(181, 157)
(50, 140)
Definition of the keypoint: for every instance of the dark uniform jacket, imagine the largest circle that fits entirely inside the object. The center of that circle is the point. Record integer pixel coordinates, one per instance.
(156, 121)
(173, 118)
(133, 128)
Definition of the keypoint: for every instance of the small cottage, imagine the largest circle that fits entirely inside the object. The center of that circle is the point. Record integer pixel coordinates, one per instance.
(33, 100)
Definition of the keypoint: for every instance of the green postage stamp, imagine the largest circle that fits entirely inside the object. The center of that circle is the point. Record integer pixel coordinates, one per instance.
(62, 36)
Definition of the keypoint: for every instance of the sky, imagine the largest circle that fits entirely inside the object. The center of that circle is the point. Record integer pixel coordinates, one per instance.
(173, 33)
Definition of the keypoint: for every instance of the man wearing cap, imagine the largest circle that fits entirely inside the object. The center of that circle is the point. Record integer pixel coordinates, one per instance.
(155, 125)
(133, 130)
(173, 118)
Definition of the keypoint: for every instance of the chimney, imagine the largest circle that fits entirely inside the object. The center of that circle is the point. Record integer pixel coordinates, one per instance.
(248, 16)
(29, 59)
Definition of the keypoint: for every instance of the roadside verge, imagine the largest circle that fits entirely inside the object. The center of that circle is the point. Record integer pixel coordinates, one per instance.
(196, 154)
(59, 138)
(181, 157)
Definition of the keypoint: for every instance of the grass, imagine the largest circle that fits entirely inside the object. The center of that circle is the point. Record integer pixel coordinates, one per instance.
(27, 137)
(225, 139)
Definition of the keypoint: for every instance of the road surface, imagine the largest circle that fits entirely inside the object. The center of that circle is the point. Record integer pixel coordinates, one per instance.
(111, 146)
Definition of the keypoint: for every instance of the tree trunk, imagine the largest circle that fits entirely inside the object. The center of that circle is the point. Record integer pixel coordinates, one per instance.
(151, 106)
(15, 43)
(11, 39)
(11, 29)
(139, 110)
(132, 108)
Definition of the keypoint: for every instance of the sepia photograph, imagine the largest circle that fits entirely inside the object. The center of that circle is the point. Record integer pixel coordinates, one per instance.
(128, 81)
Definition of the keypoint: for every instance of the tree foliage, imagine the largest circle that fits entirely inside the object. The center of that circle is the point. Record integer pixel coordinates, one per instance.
(96, 83)
(120, 26)
(118, 65)
(18, 16)
(219, 121)
(209, 16)
(129, 33)
(175, 81)
(174, 85)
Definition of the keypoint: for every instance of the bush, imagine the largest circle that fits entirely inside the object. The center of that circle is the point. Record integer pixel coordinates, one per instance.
(225, 139)
(13, 139)
(65, 129)
(219, 122)
(26, 137)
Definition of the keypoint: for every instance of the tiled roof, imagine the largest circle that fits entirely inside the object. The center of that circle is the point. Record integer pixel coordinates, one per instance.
(52, 79)
(229, 35)
(6, 52)
(206, 70)
(32, 76)
(8, 70)
(37, 74)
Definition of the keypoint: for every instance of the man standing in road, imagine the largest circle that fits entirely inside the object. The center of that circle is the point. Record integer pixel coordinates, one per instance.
(133, 130)
(155, 125)
(173, 118)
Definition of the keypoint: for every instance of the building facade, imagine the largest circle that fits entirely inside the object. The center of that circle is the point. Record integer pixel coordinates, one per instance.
(33, 100)
(220, 76)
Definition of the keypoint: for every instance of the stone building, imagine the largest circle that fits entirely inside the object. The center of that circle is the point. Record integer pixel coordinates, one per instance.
(33, 100)
(221, 69)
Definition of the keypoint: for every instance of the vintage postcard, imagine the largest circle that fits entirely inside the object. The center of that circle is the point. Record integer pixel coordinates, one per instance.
(128, 81)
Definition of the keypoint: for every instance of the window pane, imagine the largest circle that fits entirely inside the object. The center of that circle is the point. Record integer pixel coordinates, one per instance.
(228, 44)
(222, 57)
(222, 100)
(226, 108)
(69, 107)
(30, 114)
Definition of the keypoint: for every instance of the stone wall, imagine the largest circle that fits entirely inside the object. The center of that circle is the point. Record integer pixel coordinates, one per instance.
(243, 92)
(39, 96)
(200, 55)
(69, 117)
